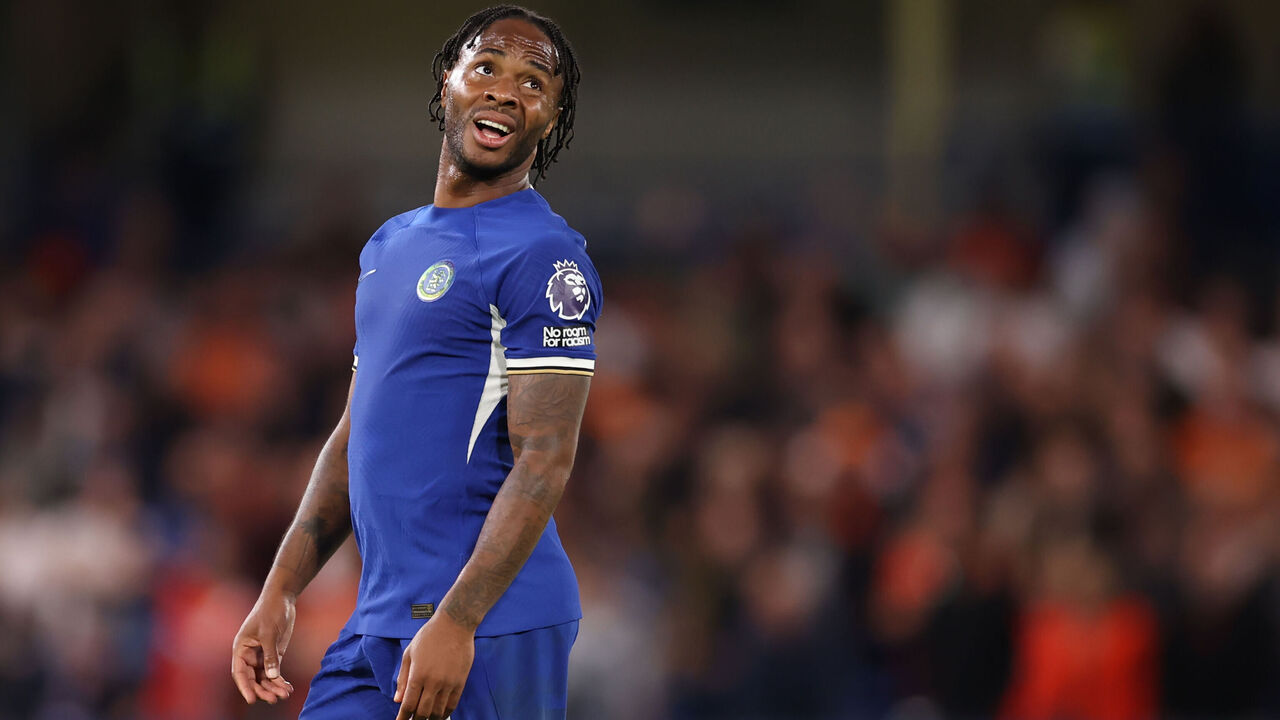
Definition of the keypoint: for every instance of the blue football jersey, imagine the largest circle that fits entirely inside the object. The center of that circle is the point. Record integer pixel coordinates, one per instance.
(450, 302)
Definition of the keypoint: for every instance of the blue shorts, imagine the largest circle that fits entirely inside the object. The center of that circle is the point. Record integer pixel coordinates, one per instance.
(524, 676)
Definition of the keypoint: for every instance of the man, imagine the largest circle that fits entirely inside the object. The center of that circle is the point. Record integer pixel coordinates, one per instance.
(474, 351)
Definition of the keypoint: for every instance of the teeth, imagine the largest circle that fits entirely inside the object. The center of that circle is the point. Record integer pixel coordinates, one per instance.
(496, 126)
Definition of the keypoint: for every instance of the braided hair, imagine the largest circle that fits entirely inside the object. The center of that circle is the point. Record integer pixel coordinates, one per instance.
(566, 66)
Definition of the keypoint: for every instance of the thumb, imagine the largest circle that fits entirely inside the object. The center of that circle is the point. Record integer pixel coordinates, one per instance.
(270, 657)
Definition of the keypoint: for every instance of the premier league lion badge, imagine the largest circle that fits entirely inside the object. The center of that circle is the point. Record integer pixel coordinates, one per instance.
(567, 291)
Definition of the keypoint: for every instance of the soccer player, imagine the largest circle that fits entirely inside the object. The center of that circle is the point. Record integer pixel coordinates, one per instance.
(474, 352)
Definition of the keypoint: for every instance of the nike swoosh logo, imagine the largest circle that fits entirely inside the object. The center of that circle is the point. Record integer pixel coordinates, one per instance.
(362, 277)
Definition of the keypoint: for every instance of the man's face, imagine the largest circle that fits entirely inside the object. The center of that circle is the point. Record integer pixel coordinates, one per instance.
(501, 98)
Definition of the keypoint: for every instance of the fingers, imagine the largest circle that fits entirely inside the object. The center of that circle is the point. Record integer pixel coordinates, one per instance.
(451, 702)
(409, 705)
(264, 695)
(249, 675)
(427, 704)
(423, 697)
(402, 680)
(445, 702)
(280, 687)
(271, 689)
(423, 702)
(242, 675)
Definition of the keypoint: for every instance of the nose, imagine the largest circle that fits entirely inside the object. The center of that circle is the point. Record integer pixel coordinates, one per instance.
(502, 92)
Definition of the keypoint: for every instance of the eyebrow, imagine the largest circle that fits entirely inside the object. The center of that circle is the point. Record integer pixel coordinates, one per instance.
(503, 53)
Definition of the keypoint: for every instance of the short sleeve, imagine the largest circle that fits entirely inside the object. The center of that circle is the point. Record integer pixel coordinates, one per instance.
(355, 348)
(549, 299)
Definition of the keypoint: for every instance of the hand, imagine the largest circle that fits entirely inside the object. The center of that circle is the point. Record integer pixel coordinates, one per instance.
(259, 647)
(434, 669)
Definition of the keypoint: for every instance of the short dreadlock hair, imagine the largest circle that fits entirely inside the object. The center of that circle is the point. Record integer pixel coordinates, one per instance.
(566, 67)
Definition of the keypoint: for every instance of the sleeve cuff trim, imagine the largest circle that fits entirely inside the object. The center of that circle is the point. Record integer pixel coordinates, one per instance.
(551, 371)
(541, 362)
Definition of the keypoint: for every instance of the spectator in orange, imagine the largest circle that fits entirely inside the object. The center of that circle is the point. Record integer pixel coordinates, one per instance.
(1082, 650)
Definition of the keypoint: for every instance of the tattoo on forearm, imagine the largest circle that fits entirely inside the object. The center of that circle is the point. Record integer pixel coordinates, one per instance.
(332, 521)
(323, 520)
(544, 412)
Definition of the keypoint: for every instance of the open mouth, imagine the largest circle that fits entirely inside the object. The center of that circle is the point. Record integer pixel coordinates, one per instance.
(492, 133)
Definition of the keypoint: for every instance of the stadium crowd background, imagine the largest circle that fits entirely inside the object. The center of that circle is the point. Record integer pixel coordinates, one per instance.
(979, 420)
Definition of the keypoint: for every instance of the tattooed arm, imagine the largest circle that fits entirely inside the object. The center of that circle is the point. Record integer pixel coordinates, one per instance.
(322, 523)
(323, 520)
(543, 415)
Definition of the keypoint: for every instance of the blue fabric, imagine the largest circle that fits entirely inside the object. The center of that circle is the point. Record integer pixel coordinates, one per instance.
(523, 676)
(450, 301)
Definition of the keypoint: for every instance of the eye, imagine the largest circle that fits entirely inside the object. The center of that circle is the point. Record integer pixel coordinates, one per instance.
(484, 69)
(534, 83)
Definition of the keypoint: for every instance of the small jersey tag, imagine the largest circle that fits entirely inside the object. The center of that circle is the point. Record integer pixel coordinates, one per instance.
(422, 611)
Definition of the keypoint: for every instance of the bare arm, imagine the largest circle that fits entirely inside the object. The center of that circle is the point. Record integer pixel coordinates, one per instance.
(543, 415)
(323, 520)
(322, 523)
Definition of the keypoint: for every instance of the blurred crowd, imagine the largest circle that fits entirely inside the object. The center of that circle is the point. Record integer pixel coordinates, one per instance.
(840, 460)
(965, 472)
(1026, 480)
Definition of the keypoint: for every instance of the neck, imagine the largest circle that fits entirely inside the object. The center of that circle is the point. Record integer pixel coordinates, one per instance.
(457, 189)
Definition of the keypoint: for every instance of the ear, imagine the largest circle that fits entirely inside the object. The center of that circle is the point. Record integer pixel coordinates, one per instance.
(552, 125)
(444, 86)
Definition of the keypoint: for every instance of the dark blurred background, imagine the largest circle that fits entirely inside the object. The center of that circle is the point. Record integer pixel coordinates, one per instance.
(939, 366)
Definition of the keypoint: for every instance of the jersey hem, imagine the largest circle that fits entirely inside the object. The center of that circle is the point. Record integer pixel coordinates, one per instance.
(373, 628)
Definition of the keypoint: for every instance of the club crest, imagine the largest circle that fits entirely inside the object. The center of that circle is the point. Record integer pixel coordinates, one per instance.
(436, 281)
(567, 291)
